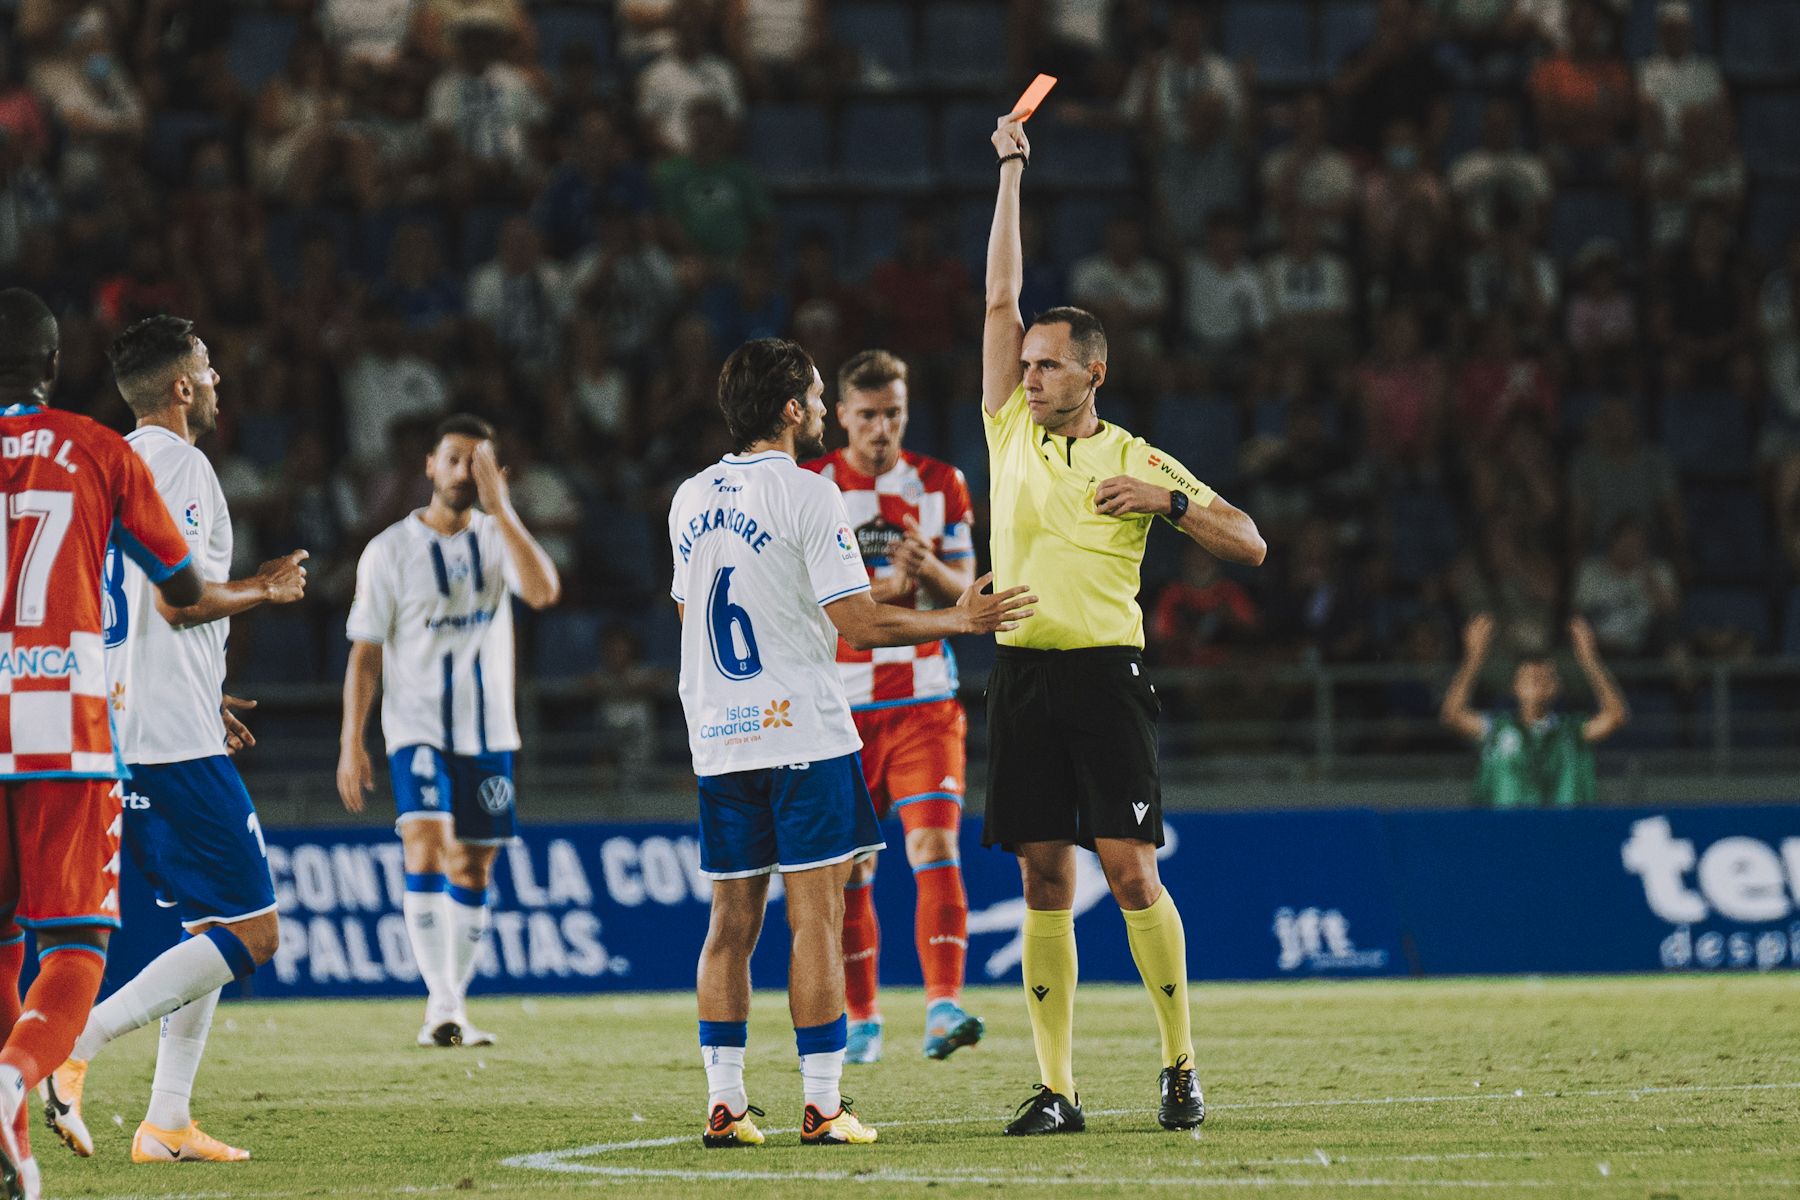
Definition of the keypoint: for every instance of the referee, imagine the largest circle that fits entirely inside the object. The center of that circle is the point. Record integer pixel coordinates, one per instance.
(1071, 716)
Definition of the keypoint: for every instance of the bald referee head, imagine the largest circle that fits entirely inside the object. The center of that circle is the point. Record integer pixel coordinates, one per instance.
(1063, 361)
(28, 348)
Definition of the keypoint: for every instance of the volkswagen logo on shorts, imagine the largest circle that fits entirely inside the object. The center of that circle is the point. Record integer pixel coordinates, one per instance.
(495, 794)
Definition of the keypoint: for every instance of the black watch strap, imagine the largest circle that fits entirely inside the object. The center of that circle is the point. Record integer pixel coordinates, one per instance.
(1178, 505)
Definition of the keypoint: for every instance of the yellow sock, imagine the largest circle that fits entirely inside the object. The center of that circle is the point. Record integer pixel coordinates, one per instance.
(1050, 971)
(1159, 947)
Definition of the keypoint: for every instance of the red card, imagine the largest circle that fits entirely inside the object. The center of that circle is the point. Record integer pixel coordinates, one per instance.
(1034, 96)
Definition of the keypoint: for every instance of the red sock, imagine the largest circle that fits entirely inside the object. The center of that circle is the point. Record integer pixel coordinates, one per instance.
(941, 926)
(12, 962)
(61, 997)
(862, 952)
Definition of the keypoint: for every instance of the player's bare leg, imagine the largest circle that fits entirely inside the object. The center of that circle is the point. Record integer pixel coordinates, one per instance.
(941, 931)
(815, 904)
(723, 991)
(1159, 947)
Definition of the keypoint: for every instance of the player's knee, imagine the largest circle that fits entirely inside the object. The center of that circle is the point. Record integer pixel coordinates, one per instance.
(261, 937)
(1135, 889)
(1049, 893)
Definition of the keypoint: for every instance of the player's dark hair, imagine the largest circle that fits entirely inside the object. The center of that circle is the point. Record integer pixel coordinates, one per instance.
(463, 425)
(867, 370)
(28, 340)
(756, 383)
(1086, 335)
(148, 348)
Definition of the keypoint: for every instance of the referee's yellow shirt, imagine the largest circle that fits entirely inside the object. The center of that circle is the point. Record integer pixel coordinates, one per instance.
(1083, 566)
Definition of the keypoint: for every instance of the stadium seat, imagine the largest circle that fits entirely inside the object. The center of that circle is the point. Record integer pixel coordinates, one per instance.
(286, 231)
(1766, 125)
(882, 36)
(259, 46)
(885, 145)
(1790, 624)
(1761, 41)
(1426, 539)
(1344, 28)
(1774, 217)
(659, 636)
(1580, 214)
(877, 238)
(618, 537)
(1075, 156)
(797, 218)
(1744, 609)
(562, 25)
(1201, 431)
(961, 41)
(1077, 224)
(479, 238)
(1655, 724)
(968, 156)
(566, 643)
(375, 236)
(1640, 31)
(974, 218)
(284, 648)
(968, 448)
(789, 144)
(1731, 541)
(1707, 434)
(1277, 36)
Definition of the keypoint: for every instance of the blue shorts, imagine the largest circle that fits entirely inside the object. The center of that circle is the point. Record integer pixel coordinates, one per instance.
(192, 831)
(786, 819)
(473, 790)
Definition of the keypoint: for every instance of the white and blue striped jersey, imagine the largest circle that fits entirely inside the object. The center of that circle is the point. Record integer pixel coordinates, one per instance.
(761, 546)
(440, 608)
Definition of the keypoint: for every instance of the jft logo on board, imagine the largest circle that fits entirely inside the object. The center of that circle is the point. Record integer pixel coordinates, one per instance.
(1319, 940)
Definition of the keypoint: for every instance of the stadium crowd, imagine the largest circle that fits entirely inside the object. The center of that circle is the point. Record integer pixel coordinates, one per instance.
(1477, 305)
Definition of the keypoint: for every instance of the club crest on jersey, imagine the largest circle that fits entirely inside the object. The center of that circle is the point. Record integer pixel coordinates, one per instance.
(495, 794)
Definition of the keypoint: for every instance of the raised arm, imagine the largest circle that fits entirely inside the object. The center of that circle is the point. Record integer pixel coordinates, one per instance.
(278, 581)
(539, 584)
(1003, 329)
(1478, 635)
(1613, 712)
(866, 624)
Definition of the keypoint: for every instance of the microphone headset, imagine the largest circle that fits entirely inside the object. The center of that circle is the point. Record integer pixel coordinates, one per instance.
(1093, 382)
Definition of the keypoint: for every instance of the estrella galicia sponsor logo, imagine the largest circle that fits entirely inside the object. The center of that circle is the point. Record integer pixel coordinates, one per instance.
(1735, 914)
(495, 794)
(1319, 940)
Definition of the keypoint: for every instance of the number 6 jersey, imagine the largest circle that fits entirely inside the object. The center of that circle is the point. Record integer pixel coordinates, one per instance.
(761, 546)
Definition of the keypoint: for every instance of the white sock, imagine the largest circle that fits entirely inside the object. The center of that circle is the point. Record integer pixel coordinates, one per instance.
(468, 925)
(819, 1077)
(428, 927)
(177, 976)
(178, 1061)
(12, 1094)
(725, 1077)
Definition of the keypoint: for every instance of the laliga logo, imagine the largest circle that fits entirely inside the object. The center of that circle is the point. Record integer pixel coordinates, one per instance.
(1741, 878)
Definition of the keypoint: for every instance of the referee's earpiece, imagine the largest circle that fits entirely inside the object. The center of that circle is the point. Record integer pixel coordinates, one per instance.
(1093, 379)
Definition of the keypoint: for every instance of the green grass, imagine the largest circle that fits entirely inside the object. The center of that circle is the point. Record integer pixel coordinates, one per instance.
(1643, 1087)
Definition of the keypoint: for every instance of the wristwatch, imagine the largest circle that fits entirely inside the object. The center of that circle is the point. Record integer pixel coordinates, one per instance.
(1178, 505)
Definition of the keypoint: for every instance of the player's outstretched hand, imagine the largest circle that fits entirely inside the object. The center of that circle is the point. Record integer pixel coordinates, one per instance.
(491, 486)
(997, 612)
(284, 579)
(354, 777)
(1009, 137)
(237, 734)
(1123, 495)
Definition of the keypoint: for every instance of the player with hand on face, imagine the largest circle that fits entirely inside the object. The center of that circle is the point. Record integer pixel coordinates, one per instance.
(914, 529)
(431, 627)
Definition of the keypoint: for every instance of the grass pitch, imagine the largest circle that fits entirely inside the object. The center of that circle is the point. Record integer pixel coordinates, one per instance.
(1640, 1087)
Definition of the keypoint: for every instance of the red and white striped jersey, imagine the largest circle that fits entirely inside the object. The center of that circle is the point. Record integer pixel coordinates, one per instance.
(936, 496)
(67, 484)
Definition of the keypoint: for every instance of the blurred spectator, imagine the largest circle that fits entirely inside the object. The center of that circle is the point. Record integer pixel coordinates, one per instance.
(1161, 91)
(816, 282)
(1499, 171)
(1203, 616)
(1602, 316)
(919, 299)
(383, 382)
(1779, 450)
(1070, 39)
(392, 119)
(1046, 285)
(1225, 309)
(670, 88)
(1401, 393)
(88, 85)
(1583, 99)
(308, 505)
(145, 287)
(180, 56)
(484, 111)
(1616, 474)
(1703, 306)
(626, 717)
(366, 34)
(646, 28)
(27, 201)
(1674, 81)
(1400, 189)
(1308, 176)
(784, 48)
(23, 118)
(593, 392)
(1534, 756)
(1499, 380)
(1512, 274)
(1630, 597)
(1397, 74)
(522, 298)
(1310, 293)
(713, 197)
(1510, 573)
(418, 284)
(749, 305)
(546, 502)
(1421, 271)
(596, 172)
(630, 282)
(1321, 610)
(435, 24)
(1129, 292)
(1702, 166)
(1199, 172)
(1308, 470)
(301, 141)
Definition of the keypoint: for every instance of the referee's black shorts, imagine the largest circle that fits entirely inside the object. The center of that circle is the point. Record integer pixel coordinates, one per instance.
(1072, 748)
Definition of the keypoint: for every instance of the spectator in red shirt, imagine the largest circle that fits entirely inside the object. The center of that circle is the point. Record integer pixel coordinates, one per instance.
(921, 294)
(1499, 380)
(1202, 615)
(1584, 99)
(1402, 392)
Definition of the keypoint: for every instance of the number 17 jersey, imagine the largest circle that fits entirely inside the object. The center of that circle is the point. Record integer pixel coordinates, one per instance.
(761, 546)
